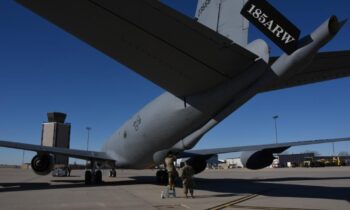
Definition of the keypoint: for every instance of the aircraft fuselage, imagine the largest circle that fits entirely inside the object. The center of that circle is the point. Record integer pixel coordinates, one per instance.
(144, 140)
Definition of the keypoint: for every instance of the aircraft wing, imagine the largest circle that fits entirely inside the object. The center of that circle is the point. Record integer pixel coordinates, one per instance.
(325, 66)
(168, 48)
(276, 148)
(81, 154)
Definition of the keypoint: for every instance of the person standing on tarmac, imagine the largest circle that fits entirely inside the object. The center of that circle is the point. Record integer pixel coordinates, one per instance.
(170, 167)
(187, 179)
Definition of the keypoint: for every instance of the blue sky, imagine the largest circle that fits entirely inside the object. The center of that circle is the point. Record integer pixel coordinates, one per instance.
(42, 68)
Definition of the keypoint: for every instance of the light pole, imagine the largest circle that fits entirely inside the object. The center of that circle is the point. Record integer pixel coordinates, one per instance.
(88, 137)
(275, 119)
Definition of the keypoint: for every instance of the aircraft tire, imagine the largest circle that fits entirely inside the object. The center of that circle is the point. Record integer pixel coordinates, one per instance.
(98, 177)
(158, 176)
(88, 177)
(162, 177)
(112, 173)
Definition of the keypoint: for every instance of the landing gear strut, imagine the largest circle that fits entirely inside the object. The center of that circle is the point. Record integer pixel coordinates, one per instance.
(93, 176)
(113, 173)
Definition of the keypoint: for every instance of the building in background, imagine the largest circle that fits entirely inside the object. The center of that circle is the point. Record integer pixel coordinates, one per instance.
(234, 163)
(293, 160)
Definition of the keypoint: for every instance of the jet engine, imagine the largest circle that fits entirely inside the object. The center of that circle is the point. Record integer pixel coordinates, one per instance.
(198, 163)
(42, 164)
(257, 159)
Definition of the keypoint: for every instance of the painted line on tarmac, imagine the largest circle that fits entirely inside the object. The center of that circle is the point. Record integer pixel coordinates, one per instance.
(231, 203)
(267, 208)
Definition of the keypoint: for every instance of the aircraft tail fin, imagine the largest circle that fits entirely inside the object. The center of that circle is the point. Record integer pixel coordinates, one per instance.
(224, 17)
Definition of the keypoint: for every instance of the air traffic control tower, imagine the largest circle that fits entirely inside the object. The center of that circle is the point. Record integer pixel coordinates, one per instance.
(56, 133)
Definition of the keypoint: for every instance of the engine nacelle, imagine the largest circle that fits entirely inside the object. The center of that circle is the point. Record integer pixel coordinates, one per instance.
(197, 163)
(42, 164)
(257, 159)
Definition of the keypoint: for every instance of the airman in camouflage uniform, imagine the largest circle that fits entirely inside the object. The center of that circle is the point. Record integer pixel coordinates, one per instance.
(170, 167)
(187, 179)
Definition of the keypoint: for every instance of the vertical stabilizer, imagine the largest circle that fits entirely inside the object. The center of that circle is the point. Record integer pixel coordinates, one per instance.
(224, 17)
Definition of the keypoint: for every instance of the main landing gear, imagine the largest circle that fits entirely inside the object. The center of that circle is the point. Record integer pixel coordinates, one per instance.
(93, 176)
(113, 173)
(162, 177)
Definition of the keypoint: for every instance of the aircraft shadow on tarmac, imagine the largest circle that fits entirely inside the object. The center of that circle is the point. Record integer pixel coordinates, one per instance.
(274, 187)
(267, 187)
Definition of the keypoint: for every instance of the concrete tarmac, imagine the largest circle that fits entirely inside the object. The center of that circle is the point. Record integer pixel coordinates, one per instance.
(294, 189)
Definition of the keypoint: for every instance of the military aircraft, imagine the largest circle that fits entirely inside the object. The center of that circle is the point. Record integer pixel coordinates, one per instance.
(207, 66)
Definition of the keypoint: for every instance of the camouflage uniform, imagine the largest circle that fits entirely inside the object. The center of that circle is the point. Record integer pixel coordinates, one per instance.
(187, 179)
(169, 164)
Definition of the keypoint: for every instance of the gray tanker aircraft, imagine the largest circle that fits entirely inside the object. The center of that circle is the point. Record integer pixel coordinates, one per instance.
(207, 66)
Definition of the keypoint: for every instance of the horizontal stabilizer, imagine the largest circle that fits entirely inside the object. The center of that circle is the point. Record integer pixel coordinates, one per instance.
(151, 39)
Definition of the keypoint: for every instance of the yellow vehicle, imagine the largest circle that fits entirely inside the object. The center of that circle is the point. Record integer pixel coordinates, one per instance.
(310, 162)
(336, 161)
